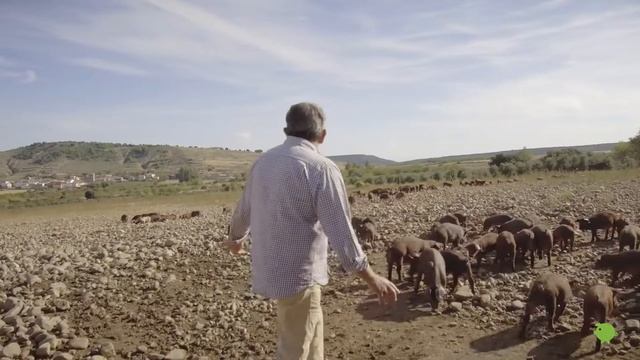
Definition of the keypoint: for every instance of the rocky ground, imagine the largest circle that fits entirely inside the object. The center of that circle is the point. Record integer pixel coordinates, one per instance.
(94, 287)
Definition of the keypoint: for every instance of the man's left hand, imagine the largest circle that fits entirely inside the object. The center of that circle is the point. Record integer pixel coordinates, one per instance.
(236, 248)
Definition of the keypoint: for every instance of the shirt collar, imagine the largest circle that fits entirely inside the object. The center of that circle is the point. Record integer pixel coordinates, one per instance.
(297, 141)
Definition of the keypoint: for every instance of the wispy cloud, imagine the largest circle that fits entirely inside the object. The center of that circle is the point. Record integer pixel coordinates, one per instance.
(461, 70)
(244, 135)
(11, 70)
(109, 66)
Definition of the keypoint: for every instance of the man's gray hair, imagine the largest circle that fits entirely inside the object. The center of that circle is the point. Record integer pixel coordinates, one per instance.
(305, 120)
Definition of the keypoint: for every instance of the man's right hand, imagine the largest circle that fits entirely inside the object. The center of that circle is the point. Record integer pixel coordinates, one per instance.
(236, 248)
(387, 292)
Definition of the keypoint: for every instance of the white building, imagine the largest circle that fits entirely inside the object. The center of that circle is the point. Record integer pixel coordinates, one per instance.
(6, 185)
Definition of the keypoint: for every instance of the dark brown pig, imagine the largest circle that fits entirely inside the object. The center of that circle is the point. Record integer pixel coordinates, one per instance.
(603, 220)
(515, 225)
(458, 264)
(481, 246)
(406, 249)
(431, 267)
(630, 236)
(564, 236)
(447, 233)
(495, 220)
(506, 250)
(599, 305)
(551, 290)
(543, 241)
(525, 242)
(625, 262)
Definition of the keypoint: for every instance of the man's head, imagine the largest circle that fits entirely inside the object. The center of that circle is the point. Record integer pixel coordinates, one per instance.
(306, 120)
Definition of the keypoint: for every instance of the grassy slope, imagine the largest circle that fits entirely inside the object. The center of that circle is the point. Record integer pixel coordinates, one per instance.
(68, 158)
(537, 152)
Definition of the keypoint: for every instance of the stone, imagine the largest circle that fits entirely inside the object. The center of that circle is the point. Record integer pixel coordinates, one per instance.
(62, 356)
(79, 343)
(156, 356)
(455, 306)
(108, 350)
(564, 327)
(632, 325)
(485, 300)
(11, 303)
(176, 354)
(634, 340)
(14, 307)
(463, 293)
(12, 350)
(515, 305)
(7, 330)
(33, 279)
(61, 305)
(44, 350)
(58, 289)
(44, 322)
(142, 349)
(97, 357)
(50, 339)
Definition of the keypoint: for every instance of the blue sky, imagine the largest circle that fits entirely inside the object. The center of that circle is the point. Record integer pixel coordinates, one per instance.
(400, 80)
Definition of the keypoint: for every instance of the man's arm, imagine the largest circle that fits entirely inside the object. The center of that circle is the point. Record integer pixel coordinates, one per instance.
(334, 214)
(239, 227)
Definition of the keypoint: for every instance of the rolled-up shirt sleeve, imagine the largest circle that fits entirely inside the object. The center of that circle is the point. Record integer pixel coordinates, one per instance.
(334, 214)
(239, 227)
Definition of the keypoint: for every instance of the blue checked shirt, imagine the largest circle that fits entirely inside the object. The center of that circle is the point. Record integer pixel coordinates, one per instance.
(294, 205)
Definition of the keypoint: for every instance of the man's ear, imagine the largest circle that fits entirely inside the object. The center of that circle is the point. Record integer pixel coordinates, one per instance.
(324, 134)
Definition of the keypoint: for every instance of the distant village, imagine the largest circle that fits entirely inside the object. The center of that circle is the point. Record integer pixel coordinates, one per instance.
(73, 182)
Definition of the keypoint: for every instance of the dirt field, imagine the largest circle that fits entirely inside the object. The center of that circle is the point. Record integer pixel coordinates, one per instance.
(141, 291)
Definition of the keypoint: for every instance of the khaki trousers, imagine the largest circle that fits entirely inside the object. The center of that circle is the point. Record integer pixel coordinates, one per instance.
(300, 326)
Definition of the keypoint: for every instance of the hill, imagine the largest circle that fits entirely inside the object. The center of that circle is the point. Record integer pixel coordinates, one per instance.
(537, 152)
(361, 159)
(61, 159)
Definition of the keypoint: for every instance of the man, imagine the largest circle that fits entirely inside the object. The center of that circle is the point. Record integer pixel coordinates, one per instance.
(295, 204)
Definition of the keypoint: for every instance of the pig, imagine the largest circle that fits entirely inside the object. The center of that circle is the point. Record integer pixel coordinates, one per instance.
(462, 218)
(447, 233)
(630, 236)
(625, 262)
(619, 225)
(543, 242)
(365, 229)
(525, 242)
(451, 219)
(564, 236)
(603, 220)
(551, 290)
(506, 250)
(406, 249)
(495, 220)
(515, 225)
(457, 264)
(599, 305)
(478, 248)
(431, 266)
(569, 221)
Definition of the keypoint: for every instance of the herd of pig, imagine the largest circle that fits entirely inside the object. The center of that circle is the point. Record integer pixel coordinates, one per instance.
(444, 250)
(156, 217)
